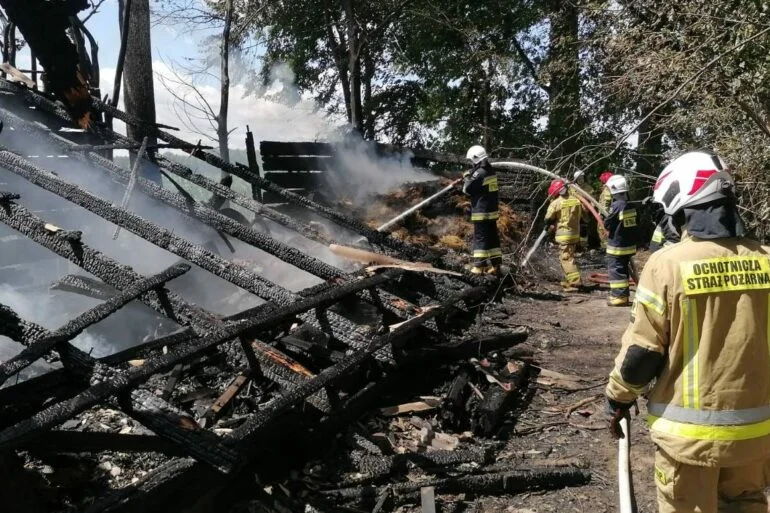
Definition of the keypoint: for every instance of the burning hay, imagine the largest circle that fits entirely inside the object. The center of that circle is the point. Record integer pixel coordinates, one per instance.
(444, 224)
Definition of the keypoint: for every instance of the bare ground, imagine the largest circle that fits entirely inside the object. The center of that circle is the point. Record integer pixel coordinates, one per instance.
(579, 335)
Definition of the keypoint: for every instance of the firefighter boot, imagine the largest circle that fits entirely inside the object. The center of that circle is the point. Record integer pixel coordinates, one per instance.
(618, 301)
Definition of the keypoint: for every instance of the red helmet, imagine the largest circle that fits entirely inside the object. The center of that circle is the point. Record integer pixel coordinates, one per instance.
(605, 176)
(555, 187)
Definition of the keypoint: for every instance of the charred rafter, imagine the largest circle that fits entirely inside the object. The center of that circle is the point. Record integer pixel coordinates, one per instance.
(166, 239)
(108, 270)
(37, 347)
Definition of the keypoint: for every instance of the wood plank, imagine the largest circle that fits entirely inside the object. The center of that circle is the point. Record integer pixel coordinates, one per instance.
(297, 180)
(296, 163)
(428, 403)
(295, 148)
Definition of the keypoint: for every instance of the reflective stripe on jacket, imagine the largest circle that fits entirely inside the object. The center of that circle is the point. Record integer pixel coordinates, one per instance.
(701, 330)
(482, 187)
(565, 212)
(664, 235)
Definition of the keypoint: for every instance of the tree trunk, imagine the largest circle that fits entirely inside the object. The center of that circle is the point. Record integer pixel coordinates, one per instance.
(564, 119)
(649, 151)
(354, 66)
(368, 76)
(138, 84)
(224, 87)
(340, 55)
(137, 74)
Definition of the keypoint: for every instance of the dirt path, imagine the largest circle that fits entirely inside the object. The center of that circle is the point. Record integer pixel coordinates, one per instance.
(579, 336)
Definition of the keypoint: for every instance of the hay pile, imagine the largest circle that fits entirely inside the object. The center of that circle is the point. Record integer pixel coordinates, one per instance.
(444, 224)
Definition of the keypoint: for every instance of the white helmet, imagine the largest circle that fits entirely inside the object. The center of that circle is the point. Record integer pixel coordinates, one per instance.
(694, 178)
(617, 184)
(476, 154)
(579, 173)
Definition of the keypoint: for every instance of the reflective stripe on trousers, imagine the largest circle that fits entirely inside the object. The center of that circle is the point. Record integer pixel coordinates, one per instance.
(618, 251)
(484, 216)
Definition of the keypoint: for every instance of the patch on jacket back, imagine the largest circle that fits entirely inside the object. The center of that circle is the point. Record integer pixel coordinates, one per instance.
(725, 274)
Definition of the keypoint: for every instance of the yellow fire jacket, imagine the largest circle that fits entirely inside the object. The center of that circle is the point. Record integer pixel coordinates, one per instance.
(605, 198)
(700, 325)
(566, 213)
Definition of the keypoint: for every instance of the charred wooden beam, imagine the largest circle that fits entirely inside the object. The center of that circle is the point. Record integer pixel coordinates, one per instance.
(174, 425)
(150, 348)
(375, 237)
(192, 209)
(182, 472)
(166, 239)
(259, 422)
(377, 467)
(287, 373)
(38, 347)
(498, 483)
(453, 404)
(134, 147)
(226, 398)
(488, 415)
(85, 286)
(272, 316)
(111, 272)
(44, 26)
(16, 328)
(218, 221)
(161, 417)
(304, 229)
(108, 165)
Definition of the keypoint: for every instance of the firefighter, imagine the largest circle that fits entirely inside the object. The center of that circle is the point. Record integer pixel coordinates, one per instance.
(481, 185)
(621, 244)
(563, 216)
(665, 234)
(585, 219)
(700, 330)
(605, 200)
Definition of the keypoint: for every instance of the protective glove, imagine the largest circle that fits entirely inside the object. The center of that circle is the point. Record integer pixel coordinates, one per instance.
(467, 173)
(616, 411)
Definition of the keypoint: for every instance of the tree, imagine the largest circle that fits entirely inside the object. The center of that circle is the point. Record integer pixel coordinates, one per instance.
(137, 76)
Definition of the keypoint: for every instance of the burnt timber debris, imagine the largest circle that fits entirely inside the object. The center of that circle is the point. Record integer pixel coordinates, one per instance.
(218, 398)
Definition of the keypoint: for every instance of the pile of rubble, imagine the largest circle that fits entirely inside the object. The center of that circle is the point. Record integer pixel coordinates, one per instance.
(191, 416)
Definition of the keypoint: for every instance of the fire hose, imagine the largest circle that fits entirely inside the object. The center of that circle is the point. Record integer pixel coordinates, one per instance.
(625, 480)
(588, 201)
(420, 205)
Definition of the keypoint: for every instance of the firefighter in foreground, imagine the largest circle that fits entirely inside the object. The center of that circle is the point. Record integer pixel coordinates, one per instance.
(700, 330)
(605, 200)
(621, 244)
(665, 234)
(481, 185)
(564, 214)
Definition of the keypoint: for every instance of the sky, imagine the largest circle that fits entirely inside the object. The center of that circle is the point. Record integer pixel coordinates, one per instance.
(269, 120)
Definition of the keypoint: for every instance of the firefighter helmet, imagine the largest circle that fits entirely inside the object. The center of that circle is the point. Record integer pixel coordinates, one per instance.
(605, 176)
(692, 179)
(556, 187)
(617, 184)
(578, 174)
(476, 154)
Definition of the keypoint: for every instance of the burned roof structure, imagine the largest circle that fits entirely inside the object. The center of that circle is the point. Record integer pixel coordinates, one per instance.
(202, 290)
